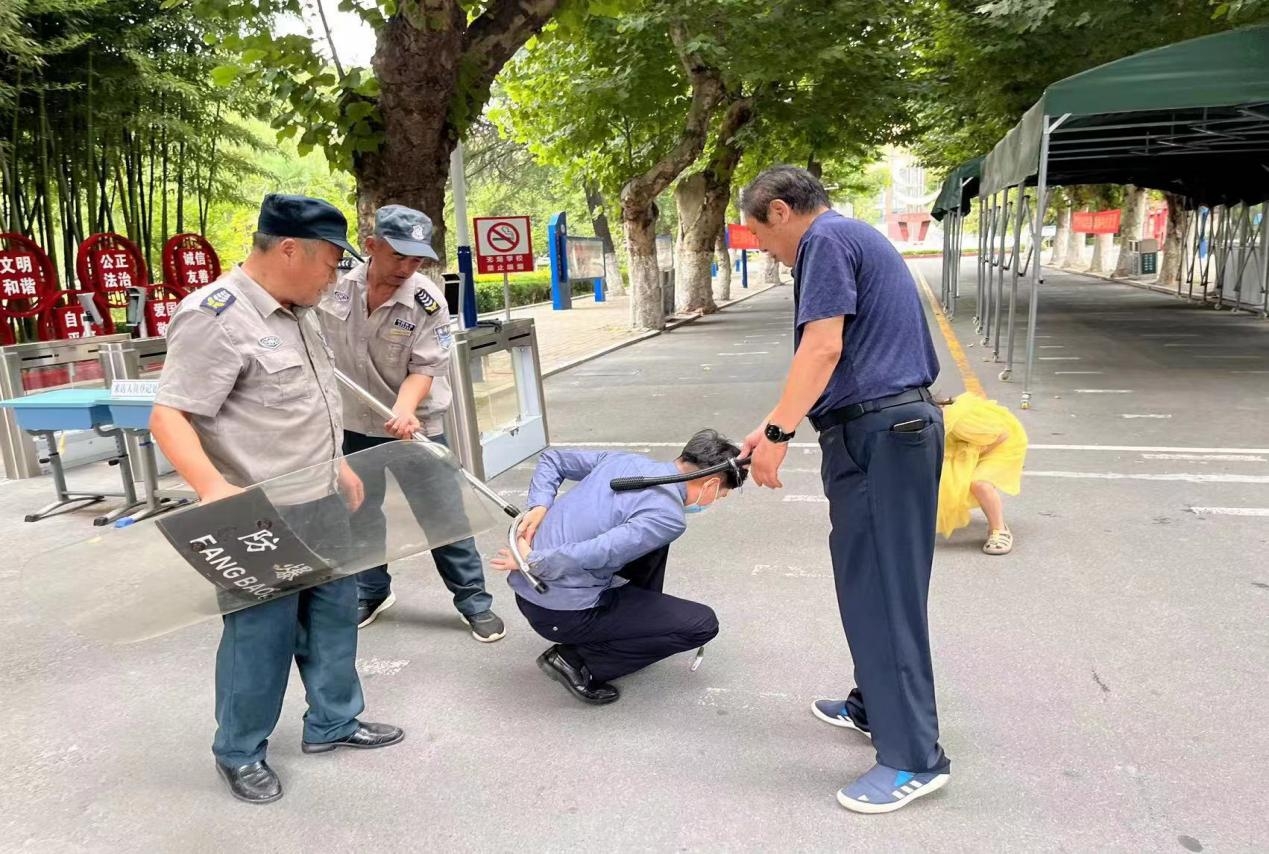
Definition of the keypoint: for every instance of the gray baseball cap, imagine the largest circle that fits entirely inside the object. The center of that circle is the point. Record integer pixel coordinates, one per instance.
(406, 230)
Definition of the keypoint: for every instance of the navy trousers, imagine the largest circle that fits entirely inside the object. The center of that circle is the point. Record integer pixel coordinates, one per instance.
(317, 628)
(631, 627)
(882, 488)
(459, 564)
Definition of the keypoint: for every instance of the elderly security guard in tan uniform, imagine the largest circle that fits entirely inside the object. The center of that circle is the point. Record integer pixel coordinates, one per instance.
(248, 393)
(390, 332)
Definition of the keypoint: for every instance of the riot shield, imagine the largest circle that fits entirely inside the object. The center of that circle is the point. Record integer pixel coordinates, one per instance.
(273, 539)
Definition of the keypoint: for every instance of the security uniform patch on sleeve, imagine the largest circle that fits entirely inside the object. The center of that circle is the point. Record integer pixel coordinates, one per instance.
(218, 300)
(404, 324)
(430, 305)
(444, 337)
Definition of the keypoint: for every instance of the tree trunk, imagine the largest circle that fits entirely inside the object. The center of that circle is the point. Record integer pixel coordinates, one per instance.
(722, 285)
(771, 270)
(693, 288)
(639, 194)
(1075, 259)
(435, 72)
(703, 208)
(1131, 227)
(1061, 240)
(1103, 253)
(599, 220)
(1170, 265)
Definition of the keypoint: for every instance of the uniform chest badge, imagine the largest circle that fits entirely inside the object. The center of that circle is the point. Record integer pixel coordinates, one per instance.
(402, 323)
(272, 342)
(340, 296)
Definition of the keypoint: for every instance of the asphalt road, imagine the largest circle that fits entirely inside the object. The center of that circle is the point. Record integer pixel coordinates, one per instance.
(1103, 688)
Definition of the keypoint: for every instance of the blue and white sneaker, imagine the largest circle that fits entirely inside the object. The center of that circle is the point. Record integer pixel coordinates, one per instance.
(885, 789)
(834, 712)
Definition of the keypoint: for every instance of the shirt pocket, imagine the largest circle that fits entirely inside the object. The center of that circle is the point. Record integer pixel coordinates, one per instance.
(396, 344)
(280, 378)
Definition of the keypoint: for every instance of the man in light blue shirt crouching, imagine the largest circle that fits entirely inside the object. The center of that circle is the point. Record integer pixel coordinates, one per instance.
(603, 555)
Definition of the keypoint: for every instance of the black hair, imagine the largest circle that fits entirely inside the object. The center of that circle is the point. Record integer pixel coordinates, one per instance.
(709, 448)
(796, 187)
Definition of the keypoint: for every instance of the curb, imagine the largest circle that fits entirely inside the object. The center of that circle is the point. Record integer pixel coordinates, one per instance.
(670, 326)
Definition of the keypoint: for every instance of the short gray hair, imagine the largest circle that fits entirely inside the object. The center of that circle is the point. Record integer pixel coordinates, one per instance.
(797, 188)
(263, 242)
(709, 448)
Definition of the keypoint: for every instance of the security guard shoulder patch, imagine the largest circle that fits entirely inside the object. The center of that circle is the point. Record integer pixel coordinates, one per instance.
(429, 303)
(217, 301)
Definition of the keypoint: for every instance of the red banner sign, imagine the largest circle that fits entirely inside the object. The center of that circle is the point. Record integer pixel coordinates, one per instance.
(1096, 222)
(740, 237)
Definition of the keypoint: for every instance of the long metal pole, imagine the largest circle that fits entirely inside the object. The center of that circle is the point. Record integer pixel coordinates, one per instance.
(1264, 258)
(1000, 280)
(1041, 200)
(982, 260)
(441, 452)
(1013, 279)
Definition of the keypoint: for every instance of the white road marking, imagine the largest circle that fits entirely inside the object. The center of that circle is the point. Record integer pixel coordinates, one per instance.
(1144, 415)
(748, 353)
(1230, 511)
(1183, 478)
(786, 571)
(1221, 458)
(380, 666)
(1052, 346)
(1103, 391)
(808, 446)
(1076, 373)
(1059, 358)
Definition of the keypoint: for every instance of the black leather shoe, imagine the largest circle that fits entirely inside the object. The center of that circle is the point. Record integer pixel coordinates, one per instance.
(255, 783)
(364, 737)
(577, 680)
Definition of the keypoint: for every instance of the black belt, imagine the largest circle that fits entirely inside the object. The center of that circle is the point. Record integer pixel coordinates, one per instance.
(858, 410)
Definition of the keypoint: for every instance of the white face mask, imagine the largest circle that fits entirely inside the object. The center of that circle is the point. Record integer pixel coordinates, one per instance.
(696, 506)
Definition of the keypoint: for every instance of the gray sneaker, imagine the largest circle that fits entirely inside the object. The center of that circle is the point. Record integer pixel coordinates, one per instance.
(486, 626)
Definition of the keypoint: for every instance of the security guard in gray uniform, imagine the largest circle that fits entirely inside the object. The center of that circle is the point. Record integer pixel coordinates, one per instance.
(862, 365)
(390, 331)
(247, 394)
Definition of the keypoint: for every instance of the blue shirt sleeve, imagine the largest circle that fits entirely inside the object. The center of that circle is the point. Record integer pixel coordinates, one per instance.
(826, 280)
(651, 526)
(555, 467)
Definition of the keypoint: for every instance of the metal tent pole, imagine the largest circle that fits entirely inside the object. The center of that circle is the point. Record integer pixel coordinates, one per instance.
(1264, 258)
(1000, 281)
(982, 234)
(1041, 200)
(1018, 269)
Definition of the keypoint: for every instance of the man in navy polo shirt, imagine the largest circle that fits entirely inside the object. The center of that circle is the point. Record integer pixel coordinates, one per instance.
(861, 369)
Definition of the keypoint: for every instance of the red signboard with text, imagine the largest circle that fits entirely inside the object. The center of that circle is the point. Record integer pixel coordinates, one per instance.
(1096, 222)
(504, 244)
(740, 237)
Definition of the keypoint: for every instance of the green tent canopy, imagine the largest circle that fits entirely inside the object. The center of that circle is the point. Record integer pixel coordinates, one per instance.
(960, 186)
(1189, 118)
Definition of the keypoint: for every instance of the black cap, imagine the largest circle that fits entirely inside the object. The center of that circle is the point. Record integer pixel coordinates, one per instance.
(303, 217)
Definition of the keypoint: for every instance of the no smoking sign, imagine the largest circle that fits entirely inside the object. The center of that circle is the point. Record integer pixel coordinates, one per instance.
(504, 244)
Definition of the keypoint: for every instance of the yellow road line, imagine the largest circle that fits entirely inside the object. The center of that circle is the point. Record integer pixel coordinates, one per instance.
(949, 335)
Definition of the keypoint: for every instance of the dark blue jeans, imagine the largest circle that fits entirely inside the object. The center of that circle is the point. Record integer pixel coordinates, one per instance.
(459, 564)
(882, 489)
(317, 628)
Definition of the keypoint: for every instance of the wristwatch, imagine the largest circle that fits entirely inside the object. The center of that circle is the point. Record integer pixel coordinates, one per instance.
(775, 434)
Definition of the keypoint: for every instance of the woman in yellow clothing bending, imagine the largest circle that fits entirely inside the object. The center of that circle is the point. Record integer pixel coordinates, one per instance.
(983, 456)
